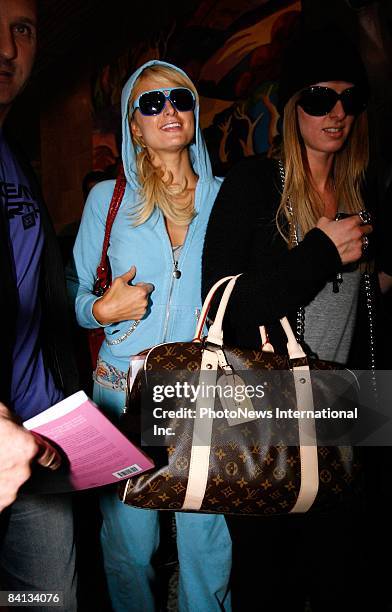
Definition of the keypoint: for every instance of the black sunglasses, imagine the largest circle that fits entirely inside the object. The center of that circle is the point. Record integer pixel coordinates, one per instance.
(153, 102)
(318, 101)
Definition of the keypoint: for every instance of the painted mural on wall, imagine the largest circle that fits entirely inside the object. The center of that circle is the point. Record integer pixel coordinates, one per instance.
(232, 50)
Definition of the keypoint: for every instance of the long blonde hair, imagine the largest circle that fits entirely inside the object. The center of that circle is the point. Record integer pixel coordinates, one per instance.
(348, 174)
(155, 189)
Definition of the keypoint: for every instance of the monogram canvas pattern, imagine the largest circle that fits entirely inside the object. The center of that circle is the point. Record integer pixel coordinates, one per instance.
(246, 476)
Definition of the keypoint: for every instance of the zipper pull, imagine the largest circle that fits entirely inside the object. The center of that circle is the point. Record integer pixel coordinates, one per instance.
(176, 272)
(336, 282)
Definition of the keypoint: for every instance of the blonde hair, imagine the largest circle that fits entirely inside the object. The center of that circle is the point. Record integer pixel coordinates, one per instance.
(348, 174)
(156, 190)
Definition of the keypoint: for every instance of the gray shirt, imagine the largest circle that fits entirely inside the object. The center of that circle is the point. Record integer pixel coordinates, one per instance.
(330, 318)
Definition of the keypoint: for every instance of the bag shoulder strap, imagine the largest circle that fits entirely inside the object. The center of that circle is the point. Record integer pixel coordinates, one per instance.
(300, 321)
(118, 194)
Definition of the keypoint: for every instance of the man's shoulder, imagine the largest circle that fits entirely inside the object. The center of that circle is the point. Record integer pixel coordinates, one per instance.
(15, 146)
(23, 162)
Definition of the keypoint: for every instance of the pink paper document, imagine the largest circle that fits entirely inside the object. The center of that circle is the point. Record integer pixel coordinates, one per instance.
(97, 452)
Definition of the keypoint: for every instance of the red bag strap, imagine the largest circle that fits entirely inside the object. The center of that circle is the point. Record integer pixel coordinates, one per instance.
(118, 194)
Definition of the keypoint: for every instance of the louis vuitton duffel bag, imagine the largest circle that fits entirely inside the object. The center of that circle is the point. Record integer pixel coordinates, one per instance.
(222, 455)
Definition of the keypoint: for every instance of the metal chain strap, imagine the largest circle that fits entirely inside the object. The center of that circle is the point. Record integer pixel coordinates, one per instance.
(371, 314)
(124, 336)
(300, 318)
(369, 294)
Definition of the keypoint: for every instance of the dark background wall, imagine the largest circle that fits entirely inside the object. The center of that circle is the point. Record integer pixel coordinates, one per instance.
(54, 117)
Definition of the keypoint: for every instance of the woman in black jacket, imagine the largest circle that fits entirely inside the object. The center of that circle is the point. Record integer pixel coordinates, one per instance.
(274, 222)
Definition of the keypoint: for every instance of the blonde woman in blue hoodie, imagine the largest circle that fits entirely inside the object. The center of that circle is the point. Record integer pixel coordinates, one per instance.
(155, 256)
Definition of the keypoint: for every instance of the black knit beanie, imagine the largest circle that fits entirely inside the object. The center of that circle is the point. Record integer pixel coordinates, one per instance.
(314, 57)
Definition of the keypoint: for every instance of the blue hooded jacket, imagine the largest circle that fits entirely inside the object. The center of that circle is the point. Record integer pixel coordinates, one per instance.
(174, 303)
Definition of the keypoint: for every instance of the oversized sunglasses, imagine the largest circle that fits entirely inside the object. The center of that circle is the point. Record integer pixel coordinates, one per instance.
(318, 101)
(153, 102)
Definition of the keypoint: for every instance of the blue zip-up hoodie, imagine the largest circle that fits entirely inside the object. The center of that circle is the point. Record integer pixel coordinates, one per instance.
(175, 303)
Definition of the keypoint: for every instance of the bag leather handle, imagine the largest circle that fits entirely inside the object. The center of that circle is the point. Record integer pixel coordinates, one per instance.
(207, 305)
(215, 333)
(295, 351)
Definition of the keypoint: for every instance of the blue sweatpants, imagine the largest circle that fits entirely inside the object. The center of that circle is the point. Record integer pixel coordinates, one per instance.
(130, 537)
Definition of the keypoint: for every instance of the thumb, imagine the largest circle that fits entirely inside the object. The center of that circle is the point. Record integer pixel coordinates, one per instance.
(129, 276)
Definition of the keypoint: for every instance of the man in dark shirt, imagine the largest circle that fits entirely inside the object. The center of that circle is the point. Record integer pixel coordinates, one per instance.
(37, 370)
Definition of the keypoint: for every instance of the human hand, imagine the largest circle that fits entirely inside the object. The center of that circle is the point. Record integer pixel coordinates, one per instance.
(347, 235)
(47, 455)
(18, 447)
(385, 281)
(123, 301)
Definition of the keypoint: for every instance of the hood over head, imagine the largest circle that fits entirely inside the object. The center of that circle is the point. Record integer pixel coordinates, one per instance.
(198, 151)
